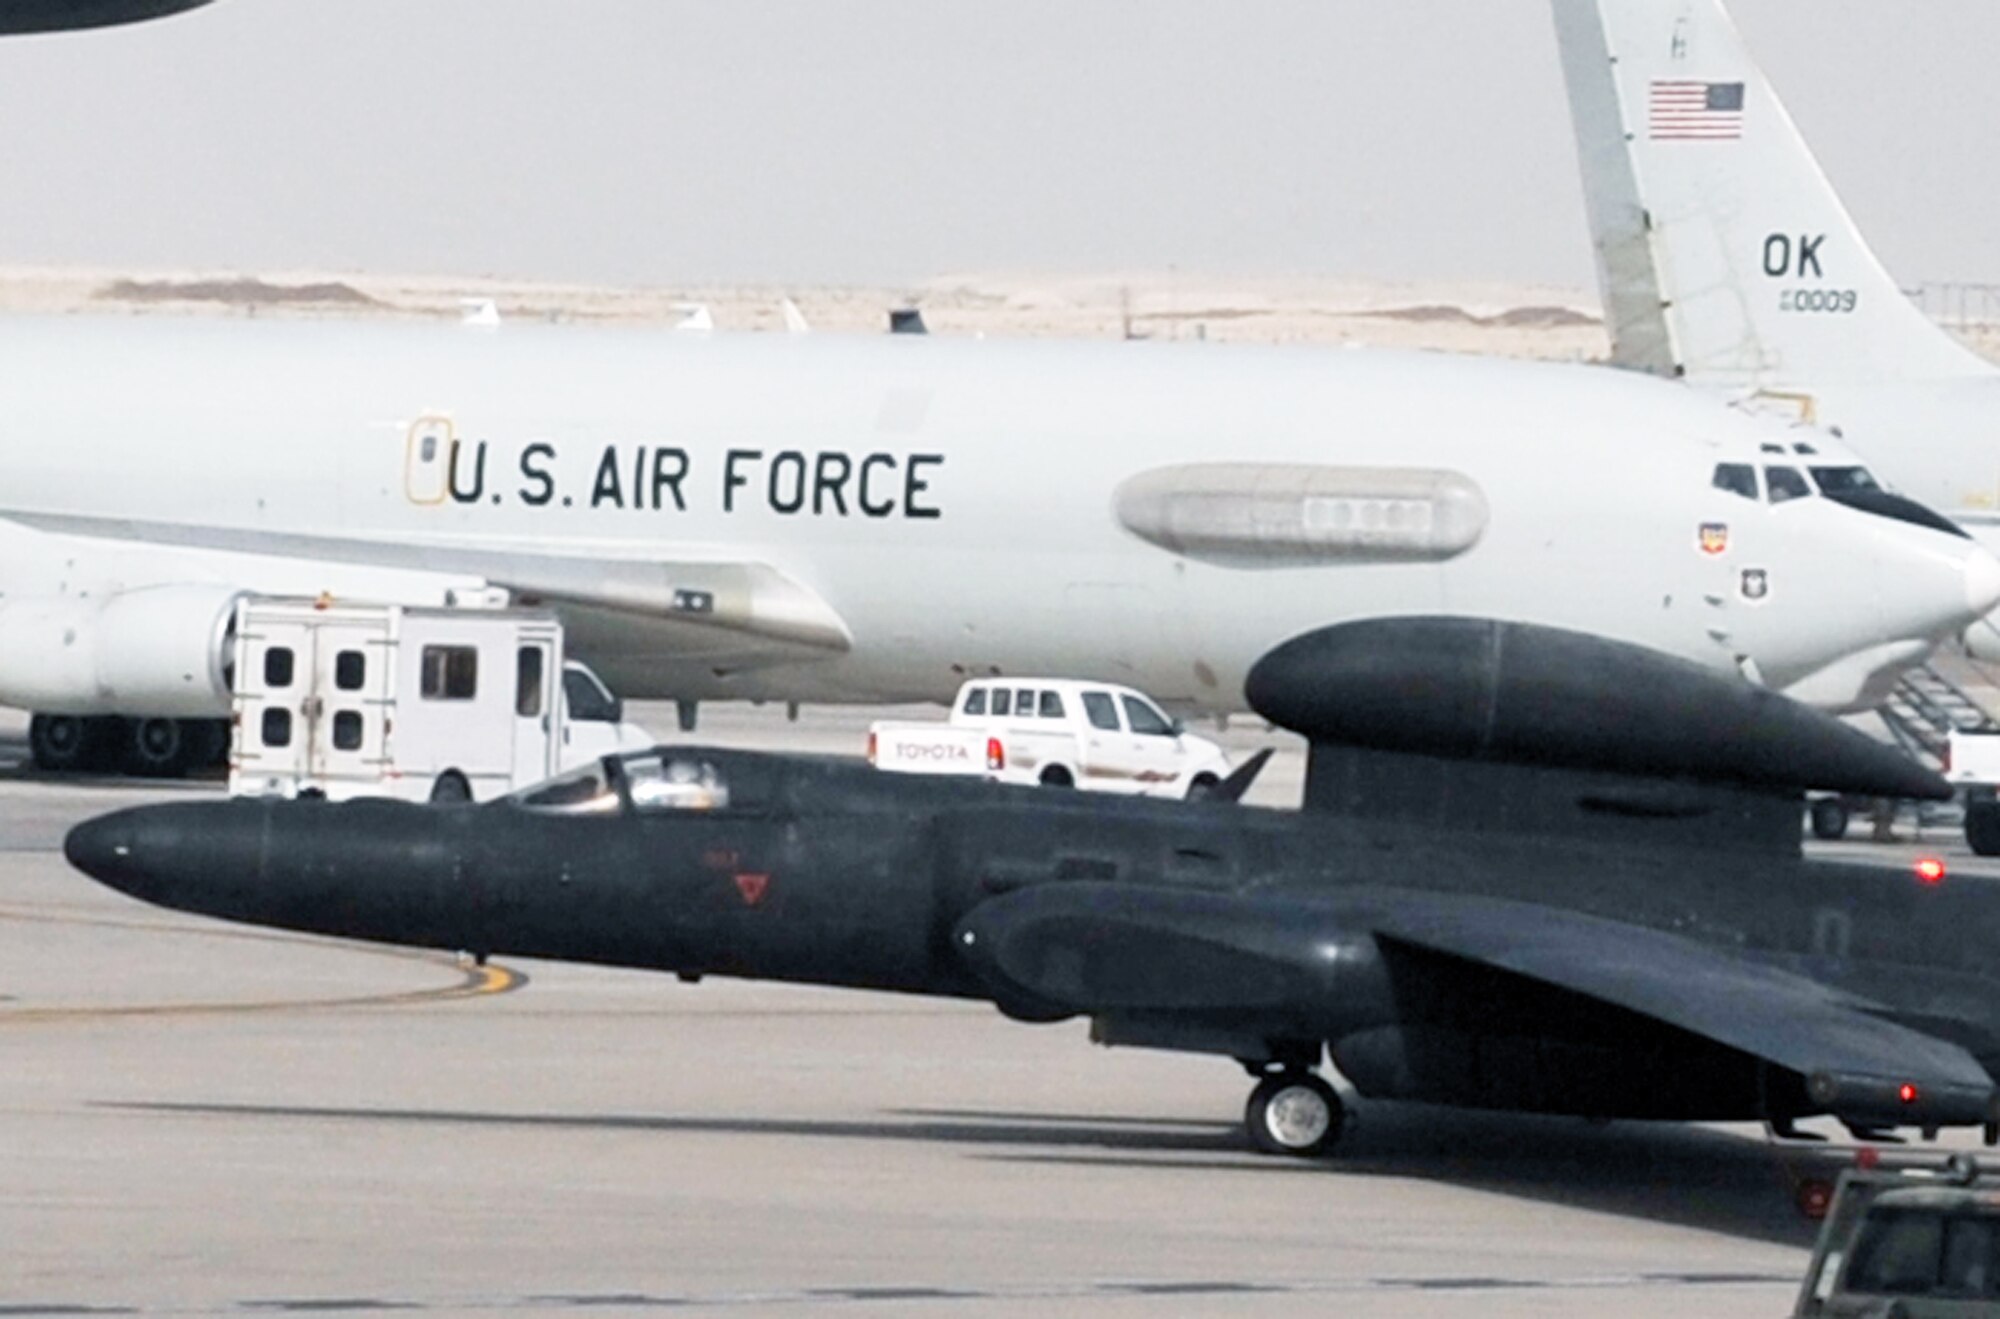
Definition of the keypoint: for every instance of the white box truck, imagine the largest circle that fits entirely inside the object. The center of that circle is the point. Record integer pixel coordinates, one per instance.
(426, 704)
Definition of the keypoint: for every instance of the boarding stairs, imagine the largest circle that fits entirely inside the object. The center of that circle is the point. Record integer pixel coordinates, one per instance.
(1927, 707)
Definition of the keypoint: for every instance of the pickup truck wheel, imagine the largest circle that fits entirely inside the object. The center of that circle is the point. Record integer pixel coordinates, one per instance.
(1055, 776)
(1203, 787)
(451, 789)
(1829, 819)
(1982, 827)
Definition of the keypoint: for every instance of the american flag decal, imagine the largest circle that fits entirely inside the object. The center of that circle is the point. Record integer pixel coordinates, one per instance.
(1683, 110)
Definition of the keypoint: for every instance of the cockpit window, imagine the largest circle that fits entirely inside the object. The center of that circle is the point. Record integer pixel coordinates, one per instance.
(1786, 483)
(1737, 479)
(585, 791)
(1837, 481)
(675, 782)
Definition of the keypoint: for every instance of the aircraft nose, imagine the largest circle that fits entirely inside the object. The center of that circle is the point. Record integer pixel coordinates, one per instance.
(1982, 582)
(102, 848)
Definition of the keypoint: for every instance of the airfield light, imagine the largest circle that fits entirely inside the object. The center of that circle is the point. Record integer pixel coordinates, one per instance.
(1930, 870)
(996, 753)
(1907, 1093)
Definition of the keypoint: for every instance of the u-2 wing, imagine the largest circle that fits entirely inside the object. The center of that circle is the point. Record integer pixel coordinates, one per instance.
(1856, 1064)
(1271, 963)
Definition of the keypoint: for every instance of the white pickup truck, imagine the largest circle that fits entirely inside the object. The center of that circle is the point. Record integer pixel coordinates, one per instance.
(1058, 732)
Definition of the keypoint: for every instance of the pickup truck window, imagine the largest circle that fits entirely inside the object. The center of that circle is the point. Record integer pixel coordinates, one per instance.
(1897, 1254)
(975, 701)
(1145, 720)
(1052, 706)
(1101, 710)
(1003, 701)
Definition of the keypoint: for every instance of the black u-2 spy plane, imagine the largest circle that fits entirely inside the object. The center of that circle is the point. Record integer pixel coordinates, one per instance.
(1534, 871)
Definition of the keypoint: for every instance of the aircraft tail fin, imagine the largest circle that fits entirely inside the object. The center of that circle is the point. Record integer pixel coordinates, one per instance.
(1723, 253)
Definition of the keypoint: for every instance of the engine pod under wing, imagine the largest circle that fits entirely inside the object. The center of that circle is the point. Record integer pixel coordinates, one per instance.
(1514, 693)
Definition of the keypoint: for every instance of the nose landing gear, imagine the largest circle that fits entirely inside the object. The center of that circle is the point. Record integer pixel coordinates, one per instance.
(1293, 1112)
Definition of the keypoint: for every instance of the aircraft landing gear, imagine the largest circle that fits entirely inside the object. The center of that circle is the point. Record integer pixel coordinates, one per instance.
(1294, 1112)
(67, 743)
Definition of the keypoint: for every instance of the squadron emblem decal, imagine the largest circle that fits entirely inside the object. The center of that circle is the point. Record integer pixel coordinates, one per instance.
(1714, 537)
(1756, 585)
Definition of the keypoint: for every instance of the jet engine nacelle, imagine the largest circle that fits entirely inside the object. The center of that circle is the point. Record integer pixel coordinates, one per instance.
(159, 650)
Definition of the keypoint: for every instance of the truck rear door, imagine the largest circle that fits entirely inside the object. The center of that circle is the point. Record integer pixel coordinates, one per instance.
(346, 716)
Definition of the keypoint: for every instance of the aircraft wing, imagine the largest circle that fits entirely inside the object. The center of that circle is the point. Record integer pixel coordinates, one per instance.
(70, 15)
(751, 601)
(1270, 956)
(1835, 1040)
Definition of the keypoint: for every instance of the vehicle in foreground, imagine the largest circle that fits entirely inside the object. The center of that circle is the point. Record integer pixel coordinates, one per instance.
(1059, 733)
(1917, 1243)
(1568, 880)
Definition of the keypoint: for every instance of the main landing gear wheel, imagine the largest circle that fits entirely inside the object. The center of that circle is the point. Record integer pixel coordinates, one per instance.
(1294, 1113)
(157, 748)
(65, 743)
(1982, 827)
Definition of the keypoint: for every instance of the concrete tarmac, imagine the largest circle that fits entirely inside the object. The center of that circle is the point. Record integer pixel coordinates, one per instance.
(200, 1119)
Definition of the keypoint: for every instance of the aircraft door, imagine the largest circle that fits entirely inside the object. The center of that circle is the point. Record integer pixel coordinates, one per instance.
(345, 718)
(535, 742)
(427, 459)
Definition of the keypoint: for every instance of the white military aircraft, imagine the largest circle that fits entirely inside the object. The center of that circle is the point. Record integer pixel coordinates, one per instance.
(1726, 259)
(877, 518)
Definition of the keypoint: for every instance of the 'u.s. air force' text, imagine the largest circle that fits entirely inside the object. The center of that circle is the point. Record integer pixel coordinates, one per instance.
(666, 478)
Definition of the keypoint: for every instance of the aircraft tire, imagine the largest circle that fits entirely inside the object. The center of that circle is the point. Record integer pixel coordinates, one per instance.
(1982, 828)
(66, 743)
(451, 789)
(1294, 1113)
(157, 748)
(1829, 819)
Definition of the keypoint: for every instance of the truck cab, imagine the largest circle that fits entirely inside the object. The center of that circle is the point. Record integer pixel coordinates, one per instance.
(1908, 1245)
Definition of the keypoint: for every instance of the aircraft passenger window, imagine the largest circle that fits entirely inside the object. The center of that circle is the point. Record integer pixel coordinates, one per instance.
(450, 673)
(528, 681)
(1101, 710)
(1024, 703)
(1786, 484)
(1145, 720)
(975, 701)
(585, 791)
(675, 783)
(278, 666)
(1737, 479)
(277, 727)
(1052, 706)
(350, 670)
(1003, 701)
(347, 731)
(1844, 480)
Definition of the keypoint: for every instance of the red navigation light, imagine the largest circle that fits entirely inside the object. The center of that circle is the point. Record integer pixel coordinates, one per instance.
(996, 754)
(1907, 1093)
(1930, 870)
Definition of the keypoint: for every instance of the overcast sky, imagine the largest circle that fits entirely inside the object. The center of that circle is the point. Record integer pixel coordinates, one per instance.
(838, 141)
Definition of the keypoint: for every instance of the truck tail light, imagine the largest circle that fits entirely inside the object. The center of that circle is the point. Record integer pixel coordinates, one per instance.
(871, 746)
(996, 754)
